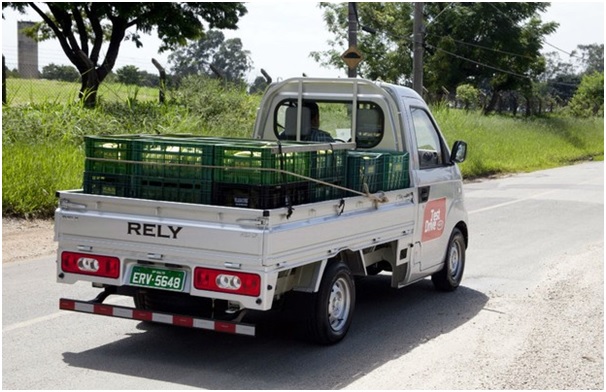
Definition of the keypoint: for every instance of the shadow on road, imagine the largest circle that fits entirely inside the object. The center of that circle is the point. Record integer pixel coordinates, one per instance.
(388, 324)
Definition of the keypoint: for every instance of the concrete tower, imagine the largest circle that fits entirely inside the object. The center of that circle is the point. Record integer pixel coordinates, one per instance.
(27, 52)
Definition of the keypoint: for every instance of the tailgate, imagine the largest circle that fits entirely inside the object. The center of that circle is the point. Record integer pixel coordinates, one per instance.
(156, 226)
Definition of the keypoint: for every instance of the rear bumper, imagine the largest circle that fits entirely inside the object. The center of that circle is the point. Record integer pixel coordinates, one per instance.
(156, 317)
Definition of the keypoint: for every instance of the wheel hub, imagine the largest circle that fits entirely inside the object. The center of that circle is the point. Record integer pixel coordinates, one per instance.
(339, 304)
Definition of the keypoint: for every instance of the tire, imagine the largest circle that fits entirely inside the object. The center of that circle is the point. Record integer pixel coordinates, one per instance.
(450, 276)
(333, 305)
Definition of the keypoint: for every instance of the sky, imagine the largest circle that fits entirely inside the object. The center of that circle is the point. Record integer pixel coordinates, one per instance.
(281, 34)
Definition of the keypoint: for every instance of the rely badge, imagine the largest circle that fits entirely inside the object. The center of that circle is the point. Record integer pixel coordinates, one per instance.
(433, 219)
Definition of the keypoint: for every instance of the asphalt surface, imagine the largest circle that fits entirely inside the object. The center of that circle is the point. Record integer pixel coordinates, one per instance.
(529, 315)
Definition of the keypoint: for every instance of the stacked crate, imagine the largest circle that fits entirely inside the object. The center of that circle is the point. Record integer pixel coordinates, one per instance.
(371, 171)
(107, 169)
(221, 171)
(173, 170)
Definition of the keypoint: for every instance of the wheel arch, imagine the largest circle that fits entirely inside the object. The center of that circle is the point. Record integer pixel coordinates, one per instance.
(462, 226)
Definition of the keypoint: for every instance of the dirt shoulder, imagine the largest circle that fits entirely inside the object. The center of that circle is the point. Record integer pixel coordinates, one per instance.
(26, 239)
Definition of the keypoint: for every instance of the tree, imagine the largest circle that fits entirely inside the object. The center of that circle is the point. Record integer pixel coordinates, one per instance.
(386, 53)
(258, 86)
(592, 58)
(492, 46)
(82, 28)
(468, 95)
(560, 78)
(589, 98)
(129, 74)
(66, 73)
(228, 57)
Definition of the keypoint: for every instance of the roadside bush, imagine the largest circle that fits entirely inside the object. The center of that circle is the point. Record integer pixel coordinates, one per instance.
(224, 108)
(589, 98)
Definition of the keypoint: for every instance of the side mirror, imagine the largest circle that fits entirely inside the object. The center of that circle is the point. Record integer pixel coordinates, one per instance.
(459, 152)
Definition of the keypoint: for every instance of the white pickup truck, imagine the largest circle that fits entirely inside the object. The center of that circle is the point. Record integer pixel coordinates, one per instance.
(209, 266)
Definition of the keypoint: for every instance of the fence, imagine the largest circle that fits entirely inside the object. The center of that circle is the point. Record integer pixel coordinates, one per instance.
(63, 85)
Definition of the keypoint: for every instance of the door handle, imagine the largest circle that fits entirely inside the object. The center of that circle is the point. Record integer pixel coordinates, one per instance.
(423, 194)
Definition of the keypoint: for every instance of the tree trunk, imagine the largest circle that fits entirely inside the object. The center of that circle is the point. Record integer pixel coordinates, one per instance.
(90, 83)
(3, 81)
(89, 88)
(493, 103)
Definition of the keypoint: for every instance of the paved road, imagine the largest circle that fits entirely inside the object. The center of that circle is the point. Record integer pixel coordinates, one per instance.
(529, 315)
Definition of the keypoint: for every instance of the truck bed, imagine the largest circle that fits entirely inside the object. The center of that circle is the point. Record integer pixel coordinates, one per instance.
(218, 236)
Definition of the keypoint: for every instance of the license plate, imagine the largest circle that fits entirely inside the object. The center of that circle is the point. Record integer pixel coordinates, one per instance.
(157, 278)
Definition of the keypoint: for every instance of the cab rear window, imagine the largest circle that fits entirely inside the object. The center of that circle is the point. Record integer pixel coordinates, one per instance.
(324, 121)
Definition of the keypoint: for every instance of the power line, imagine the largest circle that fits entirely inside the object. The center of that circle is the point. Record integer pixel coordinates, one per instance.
(480, 64)
(514, 23)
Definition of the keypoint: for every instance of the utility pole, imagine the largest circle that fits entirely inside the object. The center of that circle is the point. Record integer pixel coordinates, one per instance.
(417, 65)
(352, 72)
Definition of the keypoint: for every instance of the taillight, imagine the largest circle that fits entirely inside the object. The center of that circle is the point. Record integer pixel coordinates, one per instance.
(87, 264)
(227, 281)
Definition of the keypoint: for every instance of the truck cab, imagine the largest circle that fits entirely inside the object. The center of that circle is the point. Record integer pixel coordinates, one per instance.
(387, 117)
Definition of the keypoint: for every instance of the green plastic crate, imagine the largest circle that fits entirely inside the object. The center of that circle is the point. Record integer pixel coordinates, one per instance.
(173, 158)
(395, 170)
(106, 154)
(107, 184)
(364, 168)
(328, 164)
(243, 163)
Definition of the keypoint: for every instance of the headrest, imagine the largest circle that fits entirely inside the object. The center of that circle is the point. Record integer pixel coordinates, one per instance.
(290, 128)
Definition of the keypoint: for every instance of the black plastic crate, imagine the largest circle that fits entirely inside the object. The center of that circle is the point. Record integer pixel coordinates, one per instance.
(172, 189)
(107, 184)
(260, 196)
(326, 191)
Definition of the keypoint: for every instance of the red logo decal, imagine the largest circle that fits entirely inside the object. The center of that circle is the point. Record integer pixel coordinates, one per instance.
(433, 219)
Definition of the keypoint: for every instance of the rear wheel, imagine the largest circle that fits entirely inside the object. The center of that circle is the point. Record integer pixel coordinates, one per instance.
(333, 305)
(450, 276)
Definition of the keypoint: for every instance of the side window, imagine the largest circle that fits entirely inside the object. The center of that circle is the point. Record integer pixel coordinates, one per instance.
(429, 148)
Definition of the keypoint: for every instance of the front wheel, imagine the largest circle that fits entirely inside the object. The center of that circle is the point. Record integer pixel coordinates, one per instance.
(450, 276)
(333, 305)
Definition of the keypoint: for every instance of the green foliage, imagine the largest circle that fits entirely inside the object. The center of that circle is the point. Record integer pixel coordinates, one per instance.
(592, 58)
(468, 95)
(500, 144)
(32, 92)
(224, 108)
(96, 22)
(387, 54)
(32, 172)
(42, 143)
(589, 98)
(487, 44)
(65, 73)
(129, 74)
(212, 51)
